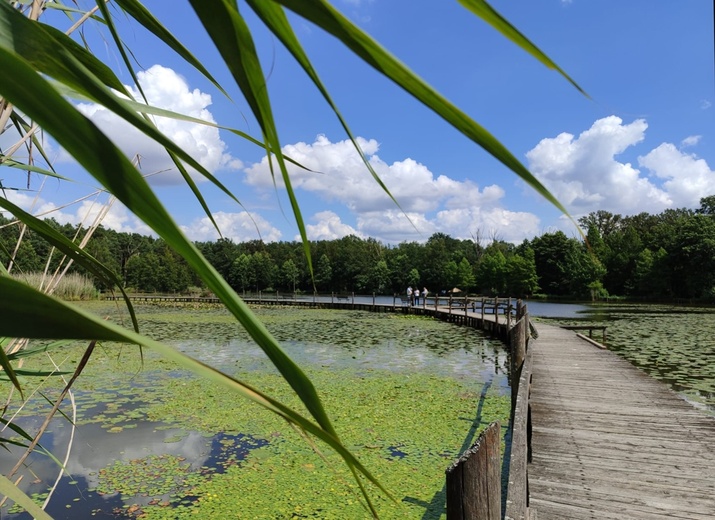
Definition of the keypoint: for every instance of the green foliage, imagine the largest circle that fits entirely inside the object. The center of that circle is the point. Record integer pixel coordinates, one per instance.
(413, 278)
(645, 256)
(707, 206)
(241, 275)
(264, 269)
(522, 278)
(323, 274)
(380, 277)
(492, 272)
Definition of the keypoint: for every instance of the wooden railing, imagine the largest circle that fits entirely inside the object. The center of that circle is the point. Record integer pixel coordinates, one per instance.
(473, 480)
(517, 497)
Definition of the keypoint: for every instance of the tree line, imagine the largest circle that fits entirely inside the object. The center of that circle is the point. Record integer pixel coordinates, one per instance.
(666, 256)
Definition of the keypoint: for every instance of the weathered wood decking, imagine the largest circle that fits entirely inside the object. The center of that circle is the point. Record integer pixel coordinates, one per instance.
(610, 442)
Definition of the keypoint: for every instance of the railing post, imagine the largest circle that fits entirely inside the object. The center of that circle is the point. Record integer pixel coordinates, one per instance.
(517, 345)
(473, 482)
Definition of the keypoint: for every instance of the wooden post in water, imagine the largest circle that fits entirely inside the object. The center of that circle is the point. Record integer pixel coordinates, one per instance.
(474, 480)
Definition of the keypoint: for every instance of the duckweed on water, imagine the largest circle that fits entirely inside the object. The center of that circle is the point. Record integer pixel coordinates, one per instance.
(406, 395)
(430, 419)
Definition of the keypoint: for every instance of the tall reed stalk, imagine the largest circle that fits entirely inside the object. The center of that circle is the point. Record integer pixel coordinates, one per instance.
(70, 287)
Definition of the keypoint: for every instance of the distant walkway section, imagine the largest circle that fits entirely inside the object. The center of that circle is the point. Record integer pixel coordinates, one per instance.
(610, 442)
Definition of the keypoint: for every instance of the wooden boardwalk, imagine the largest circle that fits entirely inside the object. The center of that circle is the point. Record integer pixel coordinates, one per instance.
(610, 442)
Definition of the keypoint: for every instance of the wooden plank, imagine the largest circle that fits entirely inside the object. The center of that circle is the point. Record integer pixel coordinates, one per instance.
(610, 442)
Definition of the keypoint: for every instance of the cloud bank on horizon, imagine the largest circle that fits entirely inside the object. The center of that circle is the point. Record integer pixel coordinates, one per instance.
(583, 171)
(583, 167)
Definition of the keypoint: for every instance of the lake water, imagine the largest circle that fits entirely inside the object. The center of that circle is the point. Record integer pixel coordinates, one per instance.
(116, 438)
(674, 344)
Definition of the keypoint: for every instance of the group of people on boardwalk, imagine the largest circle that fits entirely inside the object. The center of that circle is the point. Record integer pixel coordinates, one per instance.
(414, 295)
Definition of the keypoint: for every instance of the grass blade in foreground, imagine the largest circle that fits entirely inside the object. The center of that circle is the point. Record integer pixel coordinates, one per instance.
(274, 17)
(232, 37)
(10, 490)
(487, 13)
(102, 159)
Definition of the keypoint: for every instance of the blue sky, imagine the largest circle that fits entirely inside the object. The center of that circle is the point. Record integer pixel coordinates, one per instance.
(645, 141)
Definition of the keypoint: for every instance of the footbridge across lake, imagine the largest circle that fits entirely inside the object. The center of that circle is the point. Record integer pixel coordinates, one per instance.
(592, 437)
(610, 442)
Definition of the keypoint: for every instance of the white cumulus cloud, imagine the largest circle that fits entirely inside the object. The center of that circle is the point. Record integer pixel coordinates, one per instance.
(328, 226)
(165, 89)
(239, 227)
(686, 177)
(336, 174)
(691, 140)
(585, 175)
(510, 226)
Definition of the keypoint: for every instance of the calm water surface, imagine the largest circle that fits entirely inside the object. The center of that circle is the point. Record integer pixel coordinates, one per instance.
(359, 341)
